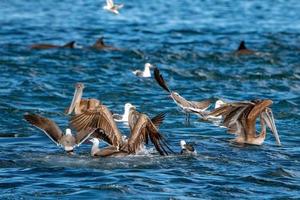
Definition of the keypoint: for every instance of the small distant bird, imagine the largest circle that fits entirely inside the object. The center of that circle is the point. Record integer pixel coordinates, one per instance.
(111, 7)
(187, 148)
(146, 73)
(50, 128)
(124, 117)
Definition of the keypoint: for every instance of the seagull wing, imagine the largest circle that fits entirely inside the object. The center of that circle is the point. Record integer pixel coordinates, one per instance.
(48, 126)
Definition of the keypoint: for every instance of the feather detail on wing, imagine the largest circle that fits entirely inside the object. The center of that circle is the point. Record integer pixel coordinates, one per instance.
(100, 118)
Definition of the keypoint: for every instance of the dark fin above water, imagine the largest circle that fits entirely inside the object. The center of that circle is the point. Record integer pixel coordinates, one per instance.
(242, 46)
(70, 45)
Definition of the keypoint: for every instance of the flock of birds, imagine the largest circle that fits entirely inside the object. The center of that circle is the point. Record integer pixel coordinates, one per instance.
(94, 122)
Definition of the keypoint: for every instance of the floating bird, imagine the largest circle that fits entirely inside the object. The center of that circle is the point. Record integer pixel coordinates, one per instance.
(124, 117)
(187, 148)
(243, 50)
(111, 7)
(146, 73)
(100, 45)
(50, 128)
(240, 119)
(143, 131)
(69, 45)
(188, 107)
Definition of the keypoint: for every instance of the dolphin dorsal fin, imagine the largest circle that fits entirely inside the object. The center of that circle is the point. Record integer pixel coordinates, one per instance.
(242, 46)
(69, 45)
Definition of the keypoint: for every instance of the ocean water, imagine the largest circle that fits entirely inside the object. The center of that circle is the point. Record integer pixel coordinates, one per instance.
(192, 44)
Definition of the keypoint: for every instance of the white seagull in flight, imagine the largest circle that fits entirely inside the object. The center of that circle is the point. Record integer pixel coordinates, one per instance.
(111, 7)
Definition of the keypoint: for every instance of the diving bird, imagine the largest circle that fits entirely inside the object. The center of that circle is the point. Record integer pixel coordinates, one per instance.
(100, 45)
(188, 107)
(243, 50)
(187, 148)
(240, 119)
(67, 141)
(124, 117)
(146, 73)
(70, 45)
(111, 7)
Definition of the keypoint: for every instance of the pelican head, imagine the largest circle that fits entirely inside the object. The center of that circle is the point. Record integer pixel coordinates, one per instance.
(182, 144)
(76, 97)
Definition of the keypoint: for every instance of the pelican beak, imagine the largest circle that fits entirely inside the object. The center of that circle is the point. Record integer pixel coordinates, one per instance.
(76, 99)
(269, 119)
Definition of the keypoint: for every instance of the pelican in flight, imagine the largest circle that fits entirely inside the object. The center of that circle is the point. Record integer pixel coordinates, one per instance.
(111, 7)
(67, 141)
(146, 73)
(240, 119)
(188, 107)
(96, 115)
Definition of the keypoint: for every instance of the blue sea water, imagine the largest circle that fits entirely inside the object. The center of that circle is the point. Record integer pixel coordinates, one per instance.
(192, 44)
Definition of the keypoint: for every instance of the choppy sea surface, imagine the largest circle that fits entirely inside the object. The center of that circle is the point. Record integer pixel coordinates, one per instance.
(192, 44)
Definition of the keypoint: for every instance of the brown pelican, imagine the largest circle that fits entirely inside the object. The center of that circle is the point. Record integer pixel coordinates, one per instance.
(99, 116)
(50, 128)
(240, 119)
(187, 148)
(243, 50)
(111, 7)
(146, 73)
(100, 45)
(91, 113)
(51, 46)
(143, 130)
(188, 107)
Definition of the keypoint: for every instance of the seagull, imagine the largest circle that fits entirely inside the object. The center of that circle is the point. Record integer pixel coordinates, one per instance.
(188, 107)
(240, 119)
(67, 141)
(187, 148)
(208, 117)
(243, 50)
(146, 73)
(111, 7)
(124, 117)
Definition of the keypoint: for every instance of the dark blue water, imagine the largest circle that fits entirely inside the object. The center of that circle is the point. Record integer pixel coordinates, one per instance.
(191, 42)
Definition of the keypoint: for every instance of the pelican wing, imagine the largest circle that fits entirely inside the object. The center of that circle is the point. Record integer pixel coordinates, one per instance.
(160, 80)
(133, 118)
(99, 118)
(143, 129)
(48, 126)
(158, 119)
(82, 135)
